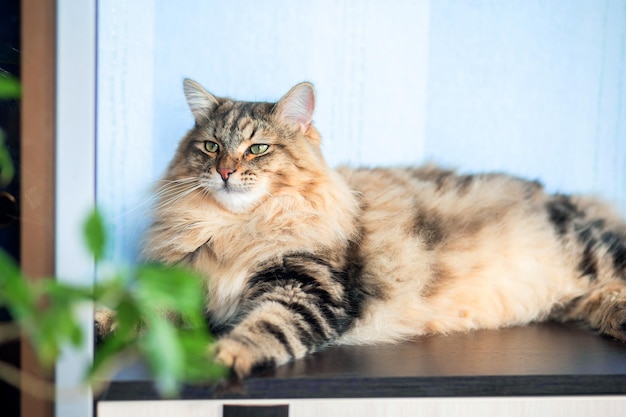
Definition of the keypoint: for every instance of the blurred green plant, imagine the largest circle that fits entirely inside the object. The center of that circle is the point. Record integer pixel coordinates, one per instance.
(9, 90)
(9, 86)
(144, 299)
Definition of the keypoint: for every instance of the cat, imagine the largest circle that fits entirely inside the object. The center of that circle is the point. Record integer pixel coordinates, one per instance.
(298, 256)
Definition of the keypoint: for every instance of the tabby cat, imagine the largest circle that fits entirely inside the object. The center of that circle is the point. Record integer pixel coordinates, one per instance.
(298, 256)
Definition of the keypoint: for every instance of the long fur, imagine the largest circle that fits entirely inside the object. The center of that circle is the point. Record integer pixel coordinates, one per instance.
(297, 256)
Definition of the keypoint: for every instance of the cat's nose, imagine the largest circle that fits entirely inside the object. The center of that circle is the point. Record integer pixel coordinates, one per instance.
(225, 173)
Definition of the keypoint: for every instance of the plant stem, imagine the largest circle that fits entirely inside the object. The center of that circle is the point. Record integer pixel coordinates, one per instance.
(23, 381)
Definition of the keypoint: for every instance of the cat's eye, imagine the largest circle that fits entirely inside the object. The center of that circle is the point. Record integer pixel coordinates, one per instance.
(211, 146)
(258, 148)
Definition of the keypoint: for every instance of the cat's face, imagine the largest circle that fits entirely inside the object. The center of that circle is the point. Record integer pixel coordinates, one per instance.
(240, 153)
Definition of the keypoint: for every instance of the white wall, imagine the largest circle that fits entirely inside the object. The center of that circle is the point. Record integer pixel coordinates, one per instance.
(535, 88)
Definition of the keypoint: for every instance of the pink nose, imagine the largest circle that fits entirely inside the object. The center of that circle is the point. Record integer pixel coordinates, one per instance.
(225, 172)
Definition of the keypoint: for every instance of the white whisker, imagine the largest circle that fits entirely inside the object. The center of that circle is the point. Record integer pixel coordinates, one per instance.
(172, 191)
(173, 198)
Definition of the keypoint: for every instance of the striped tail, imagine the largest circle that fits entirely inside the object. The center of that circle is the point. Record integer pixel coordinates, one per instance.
(598, 241)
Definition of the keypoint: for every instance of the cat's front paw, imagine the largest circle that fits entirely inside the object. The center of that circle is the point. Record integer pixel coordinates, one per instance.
(104, 324)
(239, 357)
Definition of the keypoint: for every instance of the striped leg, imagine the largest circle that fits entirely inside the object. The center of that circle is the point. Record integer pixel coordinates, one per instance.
(293, 309)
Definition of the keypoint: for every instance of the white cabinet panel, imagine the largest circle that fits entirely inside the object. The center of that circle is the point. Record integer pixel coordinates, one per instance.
(439, 407)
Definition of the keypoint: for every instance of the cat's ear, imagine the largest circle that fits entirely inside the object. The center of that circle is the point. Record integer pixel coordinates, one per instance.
(296, 107)
(200, 101)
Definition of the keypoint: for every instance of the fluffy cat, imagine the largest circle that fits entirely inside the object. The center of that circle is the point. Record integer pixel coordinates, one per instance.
(298, 256)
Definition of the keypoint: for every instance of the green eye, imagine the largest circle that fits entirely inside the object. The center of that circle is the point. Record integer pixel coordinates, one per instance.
(258, 148)
(211, 146)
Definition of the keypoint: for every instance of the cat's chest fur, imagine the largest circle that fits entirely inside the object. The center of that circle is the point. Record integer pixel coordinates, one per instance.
(238, 246)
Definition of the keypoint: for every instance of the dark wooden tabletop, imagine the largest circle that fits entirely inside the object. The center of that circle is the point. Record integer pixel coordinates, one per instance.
(539, 359)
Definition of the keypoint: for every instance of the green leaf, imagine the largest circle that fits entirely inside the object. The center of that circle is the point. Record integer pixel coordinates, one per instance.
(53, 326)
(9, 87)
(94, 234)
(111, 291)
(129, 318)
(15, 292)
(62, 293)
(199, 364)
(164, 355)
(170, 288)
(109, 354)
(7, 169)
(9, 270)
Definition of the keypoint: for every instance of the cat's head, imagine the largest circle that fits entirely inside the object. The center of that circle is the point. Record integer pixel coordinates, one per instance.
(240, 153)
